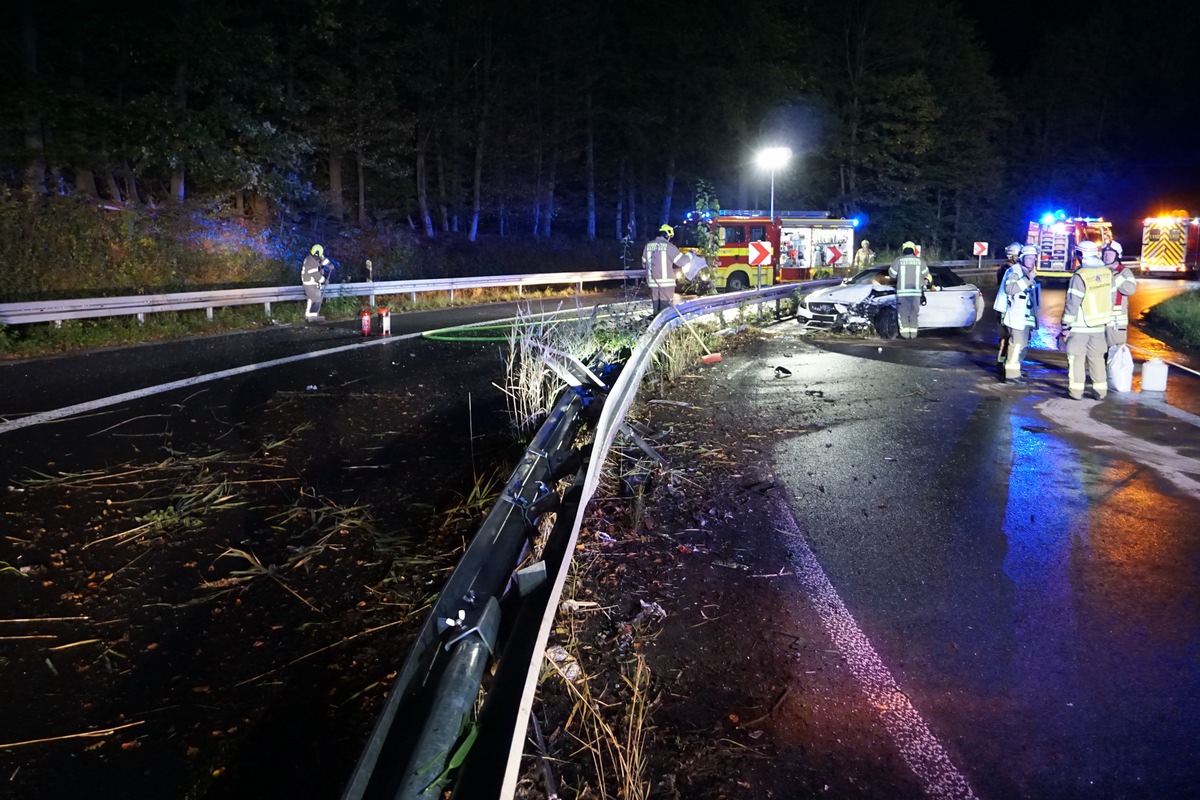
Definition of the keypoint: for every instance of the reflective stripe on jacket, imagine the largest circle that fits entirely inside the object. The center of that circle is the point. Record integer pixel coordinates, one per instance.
(310, 271)
(1124, 284)
(1089, 299)
(1024, 298)
(658, 258)
(910, 275)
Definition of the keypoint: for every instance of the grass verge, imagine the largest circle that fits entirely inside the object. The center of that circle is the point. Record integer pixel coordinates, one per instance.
(1180, 315)
(45, 338)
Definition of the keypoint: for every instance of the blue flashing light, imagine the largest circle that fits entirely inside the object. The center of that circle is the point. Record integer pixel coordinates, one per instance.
(1048, 218)
(856, 221)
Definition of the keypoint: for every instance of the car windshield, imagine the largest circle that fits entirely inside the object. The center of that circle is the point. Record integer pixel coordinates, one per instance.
(685, 235)
(944, 277)
(874, 275)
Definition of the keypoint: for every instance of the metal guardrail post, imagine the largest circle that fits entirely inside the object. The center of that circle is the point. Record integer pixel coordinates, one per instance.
(411, 720)
(449, 716)
(481, 576)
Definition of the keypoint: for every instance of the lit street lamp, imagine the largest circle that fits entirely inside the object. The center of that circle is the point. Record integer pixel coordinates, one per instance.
(772, 158)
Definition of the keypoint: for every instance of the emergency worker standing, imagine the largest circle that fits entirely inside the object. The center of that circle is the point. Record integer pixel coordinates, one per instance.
(1086, 315)
(1012, 253)
(660, 258)
(312, 278)
(864, 256)
(1124, 284)
(1020, 316)
(911, 274)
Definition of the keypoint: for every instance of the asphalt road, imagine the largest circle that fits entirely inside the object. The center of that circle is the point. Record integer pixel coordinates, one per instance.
(1029, 577)
(1027, 566)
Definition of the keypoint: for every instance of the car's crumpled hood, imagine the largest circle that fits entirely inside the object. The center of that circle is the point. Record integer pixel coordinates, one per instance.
(849, 295)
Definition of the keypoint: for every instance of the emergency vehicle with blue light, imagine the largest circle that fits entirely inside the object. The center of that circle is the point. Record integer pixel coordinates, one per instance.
(1170, 244)
(799, 242)
(1056, 236)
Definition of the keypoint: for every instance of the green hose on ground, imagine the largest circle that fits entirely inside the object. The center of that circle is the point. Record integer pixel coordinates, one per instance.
(455, 334)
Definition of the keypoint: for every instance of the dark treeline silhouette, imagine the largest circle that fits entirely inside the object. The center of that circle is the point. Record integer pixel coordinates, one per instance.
(544, 118)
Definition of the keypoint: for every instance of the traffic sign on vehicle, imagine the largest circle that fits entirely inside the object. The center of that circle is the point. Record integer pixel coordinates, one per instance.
(981, 249)
(760, 254)
(832, 255)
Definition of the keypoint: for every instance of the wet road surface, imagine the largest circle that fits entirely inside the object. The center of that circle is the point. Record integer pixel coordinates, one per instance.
(1026, 565)
(1029, 577)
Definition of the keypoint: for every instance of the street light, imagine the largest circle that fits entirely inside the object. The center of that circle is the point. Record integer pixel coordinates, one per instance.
(772, 158)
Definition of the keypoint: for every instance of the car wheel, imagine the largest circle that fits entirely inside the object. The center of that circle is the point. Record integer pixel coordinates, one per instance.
(737, 282)
(887, 323)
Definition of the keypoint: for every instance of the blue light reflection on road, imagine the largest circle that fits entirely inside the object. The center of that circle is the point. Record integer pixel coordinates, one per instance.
(1045, 527)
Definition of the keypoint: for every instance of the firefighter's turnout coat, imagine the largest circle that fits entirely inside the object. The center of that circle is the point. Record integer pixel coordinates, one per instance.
(659, 257)
(1022, 297)
(1087, 313)
(312, 275)
(911, 275)
(1124, 284)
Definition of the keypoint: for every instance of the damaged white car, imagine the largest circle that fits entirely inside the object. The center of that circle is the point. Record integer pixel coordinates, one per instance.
(867, 303)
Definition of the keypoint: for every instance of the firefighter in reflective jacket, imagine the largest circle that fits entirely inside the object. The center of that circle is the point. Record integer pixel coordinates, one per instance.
(1124, 284)
(1013, 255)
(660, 258)
(1088, 311)
(911, 275)
(312, 277)
(1024, 297)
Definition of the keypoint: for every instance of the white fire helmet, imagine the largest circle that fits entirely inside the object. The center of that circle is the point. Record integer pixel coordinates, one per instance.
(1012, 250)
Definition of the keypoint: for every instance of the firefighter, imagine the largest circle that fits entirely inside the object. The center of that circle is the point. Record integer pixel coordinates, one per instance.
(1024, 296)
(1086, 315)
(864, 256)
(1124, 284)
(911, 275)
(1012, 254)
(312, 278)
(660, 258)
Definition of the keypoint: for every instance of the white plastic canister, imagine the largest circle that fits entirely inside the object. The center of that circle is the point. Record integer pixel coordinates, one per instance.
(1154, 375)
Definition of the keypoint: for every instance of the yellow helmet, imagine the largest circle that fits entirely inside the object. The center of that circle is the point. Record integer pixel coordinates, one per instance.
(909, 245)
(666, 230)
(318, 251)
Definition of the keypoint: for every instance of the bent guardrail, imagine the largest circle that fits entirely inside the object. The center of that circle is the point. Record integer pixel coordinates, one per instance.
(424, 732)
(139, 305)
(57, 311)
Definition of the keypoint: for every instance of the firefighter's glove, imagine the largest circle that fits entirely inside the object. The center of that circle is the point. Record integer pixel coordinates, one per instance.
(923, 300)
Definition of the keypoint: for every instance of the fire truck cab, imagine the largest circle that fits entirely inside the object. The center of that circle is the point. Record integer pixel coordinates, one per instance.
(795, 243)
(1056, 235)
(1170, 244)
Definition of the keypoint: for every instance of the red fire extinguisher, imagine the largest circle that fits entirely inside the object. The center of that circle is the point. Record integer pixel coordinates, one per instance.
(366, 322)
(385, 321)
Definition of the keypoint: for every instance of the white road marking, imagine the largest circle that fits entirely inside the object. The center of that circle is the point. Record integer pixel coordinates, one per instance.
(921, 750)
(116, 399)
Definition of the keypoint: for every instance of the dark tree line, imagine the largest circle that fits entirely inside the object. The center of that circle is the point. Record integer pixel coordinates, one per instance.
(542, 117)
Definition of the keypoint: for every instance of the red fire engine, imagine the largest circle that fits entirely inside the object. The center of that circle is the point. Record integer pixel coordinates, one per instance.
(1056, 236)
(794, 244)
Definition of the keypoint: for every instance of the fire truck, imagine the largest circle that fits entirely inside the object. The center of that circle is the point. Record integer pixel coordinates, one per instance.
(1170, 244)
(1056, 235)
(794, 244)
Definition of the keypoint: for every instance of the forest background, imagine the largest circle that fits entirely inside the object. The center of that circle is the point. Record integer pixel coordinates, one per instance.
(155, 145)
